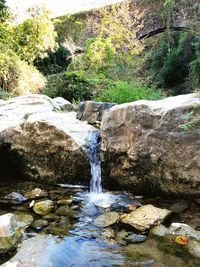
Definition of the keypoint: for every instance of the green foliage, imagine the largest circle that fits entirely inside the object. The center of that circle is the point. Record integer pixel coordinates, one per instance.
(4, 95)
(35, 36)
(170, 62)
(55, 62)
(123, 92)
(71, 26)
(73, 86)
(16, 76)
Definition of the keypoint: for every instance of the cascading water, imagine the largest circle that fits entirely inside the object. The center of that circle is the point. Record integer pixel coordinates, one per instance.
(93, 154)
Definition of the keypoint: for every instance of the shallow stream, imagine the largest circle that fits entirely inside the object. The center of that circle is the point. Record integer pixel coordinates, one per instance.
(78, 242)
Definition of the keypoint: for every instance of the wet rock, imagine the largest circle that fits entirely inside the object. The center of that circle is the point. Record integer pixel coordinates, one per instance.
(51, 217)
(9, 235)
(107, 219)
(194, 248)
(66, 211)
(121, 236)
(159, 230)
(134, 238)
(39, 224)
(23, 219)
(182, 229)
(145, 217)
(176, 229)
(8, 224)
(91, 111)
(48, 145)
(108, 233)
(144, 146)
(35, 193)
(43, 207)
(14, 196)
(179, 206)
(63, 104)
(65, 201)
(36, 251)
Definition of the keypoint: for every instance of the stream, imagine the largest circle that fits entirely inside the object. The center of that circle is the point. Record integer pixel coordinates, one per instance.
(68, 236)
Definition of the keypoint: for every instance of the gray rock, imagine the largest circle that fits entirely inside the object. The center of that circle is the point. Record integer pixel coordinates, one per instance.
(43, 207)
(9, 235)
(35, 251)
(108, 233)
(134, 238)
(179, 206)
(107, 219)
(159, 230)
(176, 229)
(8, 224)
(66, 211)
(39, 224)
(194, 248)
(153, 146)
(14, 196)
(35, 193)
(182, 229)
(23, 219)
(145, 217)
(63, 104)
(49, 145)
(91, 111)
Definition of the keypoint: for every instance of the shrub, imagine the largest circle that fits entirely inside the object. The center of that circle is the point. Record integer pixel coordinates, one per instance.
(18, 77)
(123, 92)
(4, 95)
(74, 86)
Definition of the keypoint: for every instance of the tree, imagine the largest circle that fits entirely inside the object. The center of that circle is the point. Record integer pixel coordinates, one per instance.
(35, 36)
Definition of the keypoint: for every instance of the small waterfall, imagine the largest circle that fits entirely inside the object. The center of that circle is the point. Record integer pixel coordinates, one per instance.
(93, 154)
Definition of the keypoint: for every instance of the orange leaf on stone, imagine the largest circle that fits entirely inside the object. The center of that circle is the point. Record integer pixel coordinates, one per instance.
(132, 207)
(181, 240)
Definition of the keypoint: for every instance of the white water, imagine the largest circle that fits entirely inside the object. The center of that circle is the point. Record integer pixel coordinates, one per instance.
(93, 153)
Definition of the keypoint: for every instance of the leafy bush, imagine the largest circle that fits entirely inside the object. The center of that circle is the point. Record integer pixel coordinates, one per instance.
(4, 95)
(74, 86)
(123, 92)
(18, 77)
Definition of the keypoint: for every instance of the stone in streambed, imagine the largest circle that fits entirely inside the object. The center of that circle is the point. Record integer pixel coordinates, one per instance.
(159, 230)
(51, 217)
(65, 201)
(107, 219)
(134, 238)
(194, 248)
(66, 211)
(182, 229)
(145, 217)
(9, 235)
(23, 219)
(39, 224)
(179, 206)
(108, 233)
(16, 197)
(35, 193)
(43, 207)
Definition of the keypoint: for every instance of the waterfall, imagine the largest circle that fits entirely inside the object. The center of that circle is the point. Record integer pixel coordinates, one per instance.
(94, 157)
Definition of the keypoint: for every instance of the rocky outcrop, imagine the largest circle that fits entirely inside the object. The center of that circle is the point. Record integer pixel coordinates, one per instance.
(153, 146)
(63, 104)
(91, 111)
(48, 145)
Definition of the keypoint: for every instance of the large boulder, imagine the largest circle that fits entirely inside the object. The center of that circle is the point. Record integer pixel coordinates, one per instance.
(153, 146)
(48, 145)
(91, 111)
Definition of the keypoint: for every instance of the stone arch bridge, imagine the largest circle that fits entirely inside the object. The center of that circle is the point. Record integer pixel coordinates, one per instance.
(152, 17)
